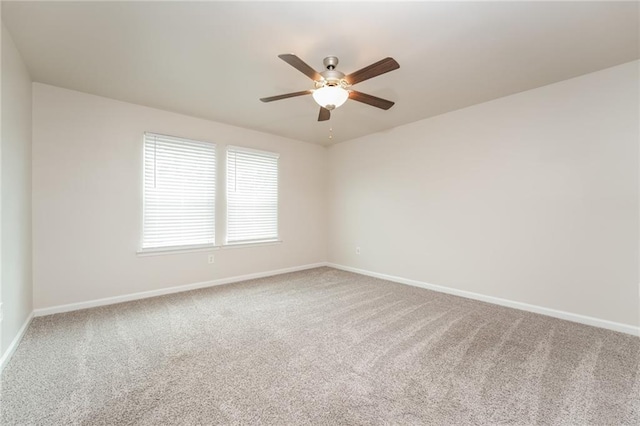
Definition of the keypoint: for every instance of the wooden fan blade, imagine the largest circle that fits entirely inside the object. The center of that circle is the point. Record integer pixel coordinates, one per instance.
(324, 115)
(300, 65)
(373, 70)
(370, 100)
(286, 95)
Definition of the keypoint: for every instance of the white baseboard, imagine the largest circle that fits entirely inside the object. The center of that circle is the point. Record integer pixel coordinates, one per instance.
(582, 319)
(169, 290)
(14, 344)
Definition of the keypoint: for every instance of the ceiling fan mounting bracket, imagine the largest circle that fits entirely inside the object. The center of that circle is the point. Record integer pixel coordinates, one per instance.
(330, 62)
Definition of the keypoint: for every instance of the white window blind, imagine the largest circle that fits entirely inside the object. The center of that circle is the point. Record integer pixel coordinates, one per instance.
(252, 195)
(179, 192)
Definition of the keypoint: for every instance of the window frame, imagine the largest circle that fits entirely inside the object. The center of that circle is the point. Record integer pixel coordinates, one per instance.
(254, 242)
(184, 248)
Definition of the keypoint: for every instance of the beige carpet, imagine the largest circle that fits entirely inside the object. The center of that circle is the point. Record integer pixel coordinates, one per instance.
(318, 347)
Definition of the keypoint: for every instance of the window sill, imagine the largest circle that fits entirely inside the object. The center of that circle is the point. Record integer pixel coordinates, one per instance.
(183, 250)
(251, 244)
(175, 250)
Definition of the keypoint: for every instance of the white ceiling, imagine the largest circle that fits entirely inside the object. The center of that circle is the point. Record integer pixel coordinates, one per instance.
(214, 60)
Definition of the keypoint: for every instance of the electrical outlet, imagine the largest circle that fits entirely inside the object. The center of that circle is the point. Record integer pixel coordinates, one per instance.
(211, 258)
(357, 250)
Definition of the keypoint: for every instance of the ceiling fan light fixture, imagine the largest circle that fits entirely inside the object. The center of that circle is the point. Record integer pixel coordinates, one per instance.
(330, 97)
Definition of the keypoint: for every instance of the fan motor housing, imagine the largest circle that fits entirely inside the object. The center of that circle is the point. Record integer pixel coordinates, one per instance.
(331, 77)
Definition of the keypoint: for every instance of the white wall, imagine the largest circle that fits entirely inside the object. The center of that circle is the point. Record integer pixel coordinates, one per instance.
(531, 198)
(87, 205)
(15, 193)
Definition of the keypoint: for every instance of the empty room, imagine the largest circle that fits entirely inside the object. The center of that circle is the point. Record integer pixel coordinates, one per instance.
(326, 213)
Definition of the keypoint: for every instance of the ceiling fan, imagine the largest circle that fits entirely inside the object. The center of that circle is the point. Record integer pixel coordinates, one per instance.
(333, 88)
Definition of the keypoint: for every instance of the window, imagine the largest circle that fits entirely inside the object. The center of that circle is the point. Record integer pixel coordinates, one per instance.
(252, 196)
(179, 193)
